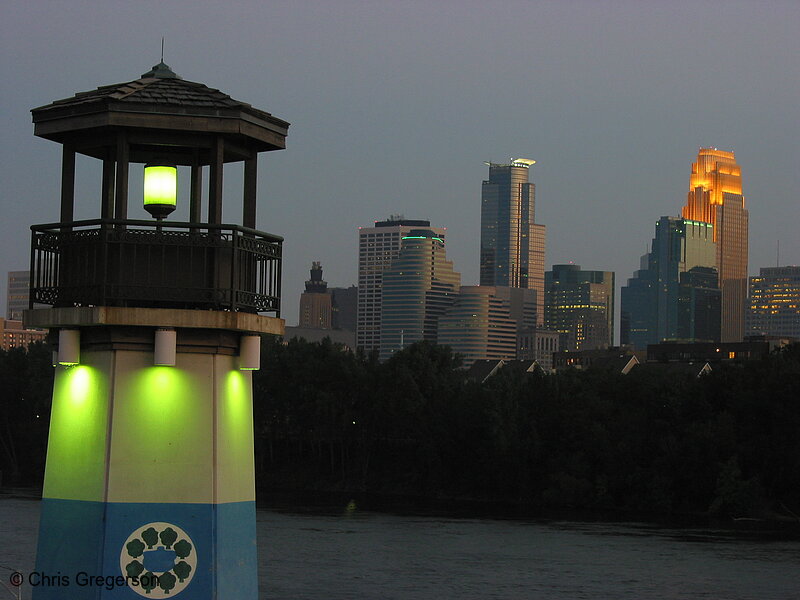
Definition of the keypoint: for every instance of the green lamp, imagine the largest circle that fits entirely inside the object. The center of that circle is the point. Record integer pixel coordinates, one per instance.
(160, 190)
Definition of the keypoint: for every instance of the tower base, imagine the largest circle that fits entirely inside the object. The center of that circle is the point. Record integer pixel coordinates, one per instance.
(149, 487)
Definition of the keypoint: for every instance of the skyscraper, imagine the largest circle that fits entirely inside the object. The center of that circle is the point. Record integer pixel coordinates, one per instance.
(418, 287)
(512, 243)
(377, 247)
(675, 293)
(315, 302)
(775, 302)
(580, 306)
(715, 197)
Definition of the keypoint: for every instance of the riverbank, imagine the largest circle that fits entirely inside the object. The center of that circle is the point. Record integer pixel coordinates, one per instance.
(339, 501)
(316, 501)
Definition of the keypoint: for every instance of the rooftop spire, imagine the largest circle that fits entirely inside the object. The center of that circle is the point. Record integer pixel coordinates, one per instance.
(161, 71)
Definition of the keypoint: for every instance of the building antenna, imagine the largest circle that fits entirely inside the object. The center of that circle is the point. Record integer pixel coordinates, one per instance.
(162, 48)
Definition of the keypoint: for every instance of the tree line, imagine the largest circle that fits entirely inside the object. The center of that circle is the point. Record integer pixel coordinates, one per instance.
(726, 443)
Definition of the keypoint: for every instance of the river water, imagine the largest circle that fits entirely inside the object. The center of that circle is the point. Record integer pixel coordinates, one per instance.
(352, 554)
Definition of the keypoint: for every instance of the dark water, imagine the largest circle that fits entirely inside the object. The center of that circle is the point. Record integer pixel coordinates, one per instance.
(350, 555)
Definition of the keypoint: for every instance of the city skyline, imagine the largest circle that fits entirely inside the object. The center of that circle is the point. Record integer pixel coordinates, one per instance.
(395, 107)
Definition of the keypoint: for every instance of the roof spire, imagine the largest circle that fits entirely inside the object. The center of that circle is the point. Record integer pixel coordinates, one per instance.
(161, 70)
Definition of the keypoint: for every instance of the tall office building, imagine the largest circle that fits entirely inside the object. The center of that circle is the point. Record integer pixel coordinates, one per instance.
(485, 321)
(580, 306)
(715, 197)
(775, 302)
(417, 288)
(675, 294)
(18, 294)
(315, 302)
(512, 243)
(699, 305)
(377, 247)
(344, 307)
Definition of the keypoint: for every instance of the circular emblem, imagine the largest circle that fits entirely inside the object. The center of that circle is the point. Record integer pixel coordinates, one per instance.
(159, 560)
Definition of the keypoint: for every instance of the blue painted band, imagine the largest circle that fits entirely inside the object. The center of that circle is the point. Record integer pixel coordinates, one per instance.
(208, 551)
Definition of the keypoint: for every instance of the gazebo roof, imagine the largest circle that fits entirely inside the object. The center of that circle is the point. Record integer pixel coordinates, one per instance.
(155, 108)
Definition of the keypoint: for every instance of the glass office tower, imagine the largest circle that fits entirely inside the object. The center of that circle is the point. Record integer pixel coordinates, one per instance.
(378, 246)
(580, 306)
(675, 294)
(512, 243)
(418, 287)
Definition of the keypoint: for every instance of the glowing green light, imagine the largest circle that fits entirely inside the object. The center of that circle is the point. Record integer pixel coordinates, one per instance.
(160, 190)
(77, 444)
(160, 185)
(235, 430)
(237, 404)
(422, 237)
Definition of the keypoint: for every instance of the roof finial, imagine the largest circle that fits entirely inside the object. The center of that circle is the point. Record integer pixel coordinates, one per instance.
(161, 70)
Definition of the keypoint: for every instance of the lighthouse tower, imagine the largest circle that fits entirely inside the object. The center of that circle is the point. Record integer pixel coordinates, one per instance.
(149, 485)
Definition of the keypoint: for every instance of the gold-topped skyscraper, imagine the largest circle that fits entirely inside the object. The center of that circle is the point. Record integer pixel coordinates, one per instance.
(715, 196)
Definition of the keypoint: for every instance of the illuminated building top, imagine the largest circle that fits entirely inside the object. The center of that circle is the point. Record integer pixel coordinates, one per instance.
(515, 162)
(717, 172)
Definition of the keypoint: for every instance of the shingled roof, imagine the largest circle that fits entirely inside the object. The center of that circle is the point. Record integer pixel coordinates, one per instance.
(160, 86)
(157, 101)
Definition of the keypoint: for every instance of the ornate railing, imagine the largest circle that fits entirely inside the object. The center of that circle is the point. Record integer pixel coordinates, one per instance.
(108, 262)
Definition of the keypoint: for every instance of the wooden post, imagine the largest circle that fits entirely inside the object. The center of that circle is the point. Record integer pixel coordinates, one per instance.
(107, 192)
(196, 192)
(215, 182)
(67, 183)
(249, 201)
(121, 197)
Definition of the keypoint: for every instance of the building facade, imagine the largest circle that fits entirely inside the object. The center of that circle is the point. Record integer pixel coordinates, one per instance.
(512, 243)
(479, 325)
(535, 343)
(715, 197)
(18, 294)
(378, 246)
(417, 288)
(580, 306)
(774, 303)
(13, 334)
(344, 308)
(699, 305)
(675, 294)
(315, 302)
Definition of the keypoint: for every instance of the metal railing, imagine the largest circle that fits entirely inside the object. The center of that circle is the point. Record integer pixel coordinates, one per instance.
(110, 262)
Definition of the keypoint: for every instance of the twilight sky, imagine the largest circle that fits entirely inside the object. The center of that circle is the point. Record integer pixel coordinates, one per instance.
(395, 105)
